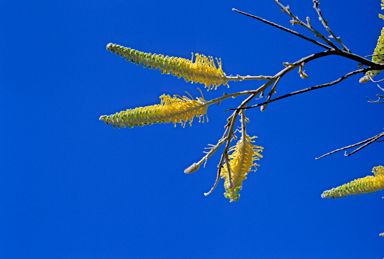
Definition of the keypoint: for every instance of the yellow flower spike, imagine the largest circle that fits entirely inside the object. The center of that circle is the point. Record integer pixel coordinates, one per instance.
(203, 70)
(176, 110)
(362, 185)
(241, 161)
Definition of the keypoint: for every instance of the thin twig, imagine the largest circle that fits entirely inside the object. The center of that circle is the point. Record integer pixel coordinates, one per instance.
(325, 24)
(283, 28)
(241, 78)
(378, 81)
(296, 20)
(243, 126)
(378, 100)
(230, 182)
(370, 141)
(232, 119)
(363, 146)
(216, 182)
(195, 166)
(217, 177)
(273, 90)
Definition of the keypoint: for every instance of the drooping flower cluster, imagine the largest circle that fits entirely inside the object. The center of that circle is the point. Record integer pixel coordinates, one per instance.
(362, 185)
(171, 109)
(201, 70)
(241, 162)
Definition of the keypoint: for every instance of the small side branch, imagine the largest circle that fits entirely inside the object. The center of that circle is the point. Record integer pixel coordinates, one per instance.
(273, 90)
(195, 166)
(296, 20)
(284, 29)
(230, 125)
(216, 182)
(230, 182)
(241, 78)
(325, 24)
(378, 95)
(364, 144)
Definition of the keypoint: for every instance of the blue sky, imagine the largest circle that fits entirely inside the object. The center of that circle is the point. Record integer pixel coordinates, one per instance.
(72, 187)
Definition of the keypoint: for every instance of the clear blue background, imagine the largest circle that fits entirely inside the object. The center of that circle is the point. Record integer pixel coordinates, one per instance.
(72, 187)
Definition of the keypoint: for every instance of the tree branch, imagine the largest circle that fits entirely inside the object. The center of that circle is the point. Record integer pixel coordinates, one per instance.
(296, 20)
(307, 89)
(283, 28)
(231, 120)
(325, 24)
(367, 141)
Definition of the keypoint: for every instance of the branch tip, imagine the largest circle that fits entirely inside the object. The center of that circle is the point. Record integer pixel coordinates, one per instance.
(193, 168)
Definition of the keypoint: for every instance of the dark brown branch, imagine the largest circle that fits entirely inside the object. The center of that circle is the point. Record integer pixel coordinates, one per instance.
(273, 90)
(296, 20)
(372, 65)
(307, 89)
(363, 146)
(367, 142)
(325, 24)
(336, 51)
(283, 28)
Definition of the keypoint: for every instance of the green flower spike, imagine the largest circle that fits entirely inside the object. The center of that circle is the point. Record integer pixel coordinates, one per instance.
(378, 54)
(176, 110)
(240, 161)
(203, 70)
(362, 185)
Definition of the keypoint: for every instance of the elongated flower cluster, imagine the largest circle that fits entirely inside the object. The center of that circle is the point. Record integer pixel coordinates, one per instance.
(377, 57)
(378, 53)
(203, 70)
(241, 161)
(362, 185)
(176, 110)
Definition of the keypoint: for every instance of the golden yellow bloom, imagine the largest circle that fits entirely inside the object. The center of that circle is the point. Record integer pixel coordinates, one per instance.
(362, 185)
(176, 110)
(203, 70)
(241, 161)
